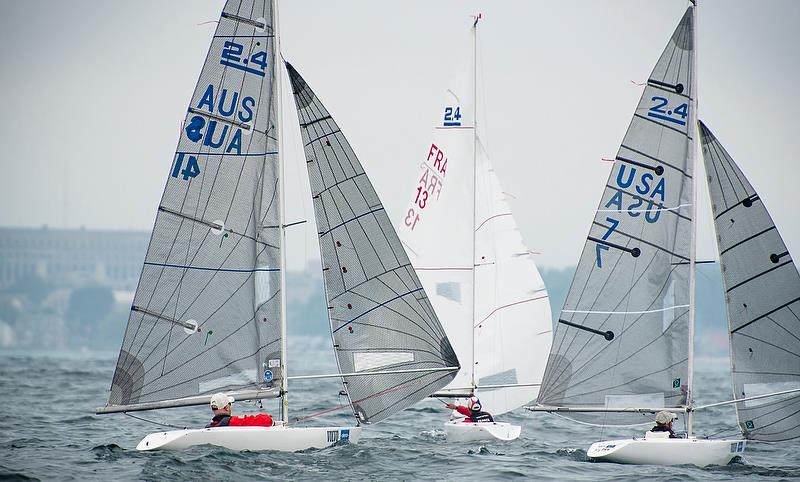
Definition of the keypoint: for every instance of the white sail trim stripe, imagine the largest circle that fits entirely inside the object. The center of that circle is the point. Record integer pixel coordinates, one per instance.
(643, 210)
(626, 312)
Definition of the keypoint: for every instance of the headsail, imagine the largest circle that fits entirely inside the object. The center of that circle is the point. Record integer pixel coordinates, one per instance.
(205, 316)
(463, 239)
(622, 336)
(762, 294)
(381, 318)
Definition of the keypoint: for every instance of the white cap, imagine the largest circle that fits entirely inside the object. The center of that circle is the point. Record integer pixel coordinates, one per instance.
(474, 403)
(664, 417)
(220, 400)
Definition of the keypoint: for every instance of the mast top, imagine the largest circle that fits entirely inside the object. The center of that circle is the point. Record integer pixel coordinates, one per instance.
(477, 17)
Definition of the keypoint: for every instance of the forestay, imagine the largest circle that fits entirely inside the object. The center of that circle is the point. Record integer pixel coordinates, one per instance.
(762, 289)
(622, 337)
(205, 316)
(381, 318)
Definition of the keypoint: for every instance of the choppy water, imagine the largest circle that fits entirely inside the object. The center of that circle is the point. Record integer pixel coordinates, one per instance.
(50, 432)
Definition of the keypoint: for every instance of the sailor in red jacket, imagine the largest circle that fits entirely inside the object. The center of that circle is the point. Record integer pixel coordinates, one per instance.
(221, 406)
(472, 413)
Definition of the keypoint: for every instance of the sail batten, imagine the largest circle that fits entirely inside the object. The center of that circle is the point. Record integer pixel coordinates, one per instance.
(762, 288)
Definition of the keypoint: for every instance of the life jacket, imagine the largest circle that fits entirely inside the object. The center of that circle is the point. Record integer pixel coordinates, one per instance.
(479, 416)
(664, 428)
(219, 421)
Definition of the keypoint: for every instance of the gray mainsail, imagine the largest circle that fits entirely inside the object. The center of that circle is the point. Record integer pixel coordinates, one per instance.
(381, 318)
(762, 294)
(622, 337)
(205, 316)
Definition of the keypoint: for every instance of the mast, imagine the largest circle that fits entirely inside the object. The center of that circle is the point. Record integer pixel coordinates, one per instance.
(693, 244)
(474, 183)
(282, 223)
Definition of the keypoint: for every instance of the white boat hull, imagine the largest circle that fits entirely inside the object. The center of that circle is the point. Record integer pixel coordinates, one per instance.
(279, 437)
(459, 431)
(675, 451)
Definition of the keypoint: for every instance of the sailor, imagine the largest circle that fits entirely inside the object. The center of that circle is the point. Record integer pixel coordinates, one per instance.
(664, 423)
(221, 406)
(473, 412)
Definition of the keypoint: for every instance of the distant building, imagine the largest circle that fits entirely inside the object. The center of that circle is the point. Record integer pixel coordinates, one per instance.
(72, 256)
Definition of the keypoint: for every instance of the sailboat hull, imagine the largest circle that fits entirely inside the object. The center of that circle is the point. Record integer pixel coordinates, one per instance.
(700, 452)
(458, 431)
(279, 438)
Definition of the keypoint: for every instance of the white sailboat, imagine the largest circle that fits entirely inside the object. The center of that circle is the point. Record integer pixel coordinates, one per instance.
(482, 280)
(209, 312)
(623, 347)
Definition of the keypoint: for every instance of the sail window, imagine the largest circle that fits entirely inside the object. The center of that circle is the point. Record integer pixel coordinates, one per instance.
(450, 290)
(756, 389)
(642, 400)
(369, 360)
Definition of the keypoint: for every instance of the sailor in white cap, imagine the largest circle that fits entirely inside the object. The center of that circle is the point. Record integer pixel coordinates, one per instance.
(664, 423)
(222, 408)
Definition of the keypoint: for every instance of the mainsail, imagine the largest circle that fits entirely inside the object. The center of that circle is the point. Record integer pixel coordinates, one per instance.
(622, 337)
(381, 318)
(762, 294)
(467, 249)
(205, 316)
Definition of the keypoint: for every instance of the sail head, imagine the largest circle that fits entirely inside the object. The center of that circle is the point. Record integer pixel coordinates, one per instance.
(762, 296)
(381, 318)
(622, 337)
(205, 316)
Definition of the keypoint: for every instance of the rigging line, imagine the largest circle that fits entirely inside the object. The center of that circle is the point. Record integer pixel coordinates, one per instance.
(765, 314)
(492, 217)
(626, 312)
(509, 305)
(154, 422)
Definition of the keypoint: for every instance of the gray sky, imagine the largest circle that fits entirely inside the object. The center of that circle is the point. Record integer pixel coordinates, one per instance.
(94, 92)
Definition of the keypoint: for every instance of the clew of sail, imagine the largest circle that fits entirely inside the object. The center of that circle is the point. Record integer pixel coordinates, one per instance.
(622, 337)
(381, 319)
(762, 294)
(205, 316)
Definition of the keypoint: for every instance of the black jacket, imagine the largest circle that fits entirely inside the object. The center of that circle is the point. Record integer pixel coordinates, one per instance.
(664, 428)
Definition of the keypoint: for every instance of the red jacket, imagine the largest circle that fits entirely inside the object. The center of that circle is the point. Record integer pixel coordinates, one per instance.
(260, 420)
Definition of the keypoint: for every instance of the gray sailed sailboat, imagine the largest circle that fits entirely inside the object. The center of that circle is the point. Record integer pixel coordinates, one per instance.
(209, 311)
(623, 346)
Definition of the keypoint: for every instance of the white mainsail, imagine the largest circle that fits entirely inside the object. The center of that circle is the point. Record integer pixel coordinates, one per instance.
(466, 248)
